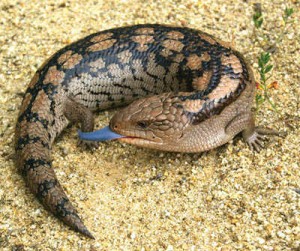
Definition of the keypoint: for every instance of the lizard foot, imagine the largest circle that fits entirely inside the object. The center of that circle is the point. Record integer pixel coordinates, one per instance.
(256, 139)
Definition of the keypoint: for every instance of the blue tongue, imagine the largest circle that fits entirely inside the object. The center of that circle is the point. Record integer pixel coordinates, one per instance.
(100, 135)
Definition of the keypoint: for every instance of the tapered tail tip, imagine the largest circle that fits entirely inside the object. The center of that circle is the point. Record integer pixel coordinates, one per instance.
(86, 233)
(81, 228)
(73, 220)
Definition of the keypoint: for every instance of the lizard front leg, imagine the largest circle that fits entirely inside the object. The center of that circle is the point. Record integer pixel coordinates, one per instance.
(78, 113)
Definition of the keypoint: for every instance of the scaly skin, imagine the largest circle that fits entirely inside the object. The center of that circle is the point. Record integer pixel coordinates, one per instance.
(208, 93)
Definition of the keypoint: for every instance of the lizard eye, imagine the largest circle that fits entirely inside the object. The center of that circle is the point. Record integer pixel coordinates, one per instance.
(142, 124)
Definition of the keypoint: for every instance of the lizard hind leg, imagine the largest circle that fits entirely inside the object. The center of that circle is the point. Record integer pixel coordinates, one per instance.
(79, 114)
(253, 135)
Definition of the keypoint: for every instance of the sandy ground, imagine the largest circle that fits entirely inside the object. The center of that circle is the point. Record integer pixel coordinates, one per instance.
(137, 199)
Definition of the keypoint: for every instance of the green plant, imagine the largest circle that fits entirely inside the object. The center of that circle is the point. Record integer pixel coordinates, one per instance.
(263, 87)
(264, 66)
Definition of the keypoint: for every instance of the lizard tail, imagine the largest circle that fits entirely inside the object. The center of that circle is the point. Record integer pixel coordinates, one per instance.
(33, 143)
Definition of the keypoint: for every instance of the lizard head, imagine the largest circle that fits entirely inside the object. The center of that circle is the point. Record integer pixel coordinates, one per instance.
(156, 122)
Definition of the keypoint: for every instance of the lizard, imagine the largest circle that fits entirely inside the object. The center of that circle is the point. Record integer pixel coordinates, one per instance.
(187, 92)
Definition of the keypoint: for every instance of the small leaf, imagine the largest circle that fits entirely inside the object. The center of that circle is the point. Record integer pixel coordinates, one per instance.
(259, 23)
(257, 19)
(257, 15)
(288, 12)
(265, 57)
(268, 68)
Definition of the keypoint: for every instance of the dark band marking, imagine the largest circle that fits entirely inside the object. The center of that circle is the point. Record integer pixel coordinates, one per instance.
(29, 139)
(44, 187)
(31, 164)
(62, 211)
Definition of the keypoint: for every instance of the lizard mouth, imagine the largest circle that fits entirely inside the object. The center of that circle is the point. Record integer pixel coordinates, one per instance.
(106, 134)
